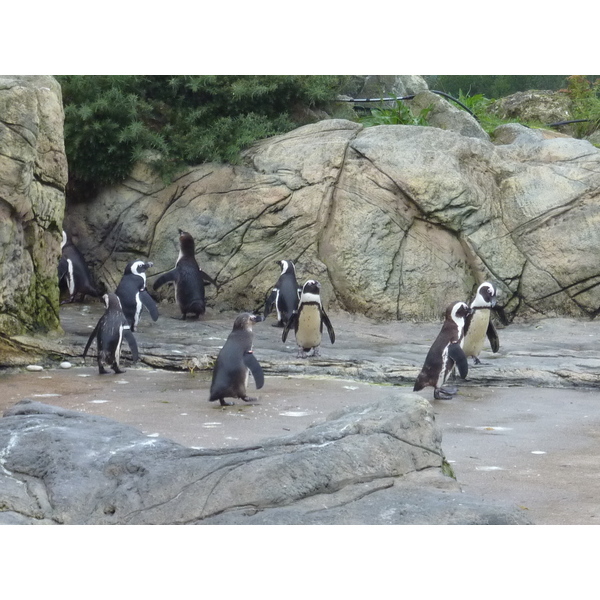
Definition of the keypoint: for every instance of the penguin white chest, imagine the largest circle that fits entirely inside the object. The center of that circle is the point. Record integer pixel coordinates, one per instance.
(473, 342)
(309, 327)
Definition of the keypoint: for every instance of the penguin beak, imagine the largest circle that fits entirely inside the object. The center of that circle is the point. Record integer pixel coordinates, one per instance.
(256, 318)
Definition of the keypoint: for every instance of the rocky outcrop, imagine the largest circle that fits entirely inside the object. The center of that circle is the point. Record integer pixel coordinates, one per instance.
(33, 176)
(395, 221)
(379, 464)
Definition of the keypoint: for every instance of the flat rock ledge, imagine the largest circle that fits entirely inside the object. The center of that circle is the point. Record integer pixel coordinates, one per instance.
(381, 463)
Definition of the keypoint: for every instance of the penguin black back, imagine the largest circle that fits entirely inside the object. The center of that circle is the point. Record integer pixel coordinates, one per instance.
(235, 360)
(189, 279)
(74, 276)
(109, 333)
(285, 294)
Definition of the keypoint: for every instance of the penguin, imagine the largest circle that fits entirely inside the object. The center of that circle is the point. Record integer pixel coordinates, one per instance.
(235, 361)
(109, 332)
(308, 321)
(133, 294)
(73, 273)
(445, 352)
(285, 295)
(188, 277)
(478, 324)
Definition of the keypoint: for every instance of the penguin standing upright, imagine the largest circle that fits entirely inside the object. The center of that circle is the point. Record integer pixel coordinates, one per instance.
(109, 332)
(445, 352)
(73, 272)
(188, 277)
(235, 361)
(133, 294)
(285, 295)
(478, 324)
(308, 321)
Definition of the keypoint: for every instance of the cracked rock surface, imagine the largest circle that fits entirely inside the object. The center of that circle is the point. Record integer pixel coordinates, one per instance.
(394, 221)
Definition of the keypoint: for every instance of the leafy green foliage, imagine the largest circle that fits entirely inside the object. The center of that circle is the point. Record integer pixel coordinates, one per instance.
(399, 114)
(585, 103)
(175, 121)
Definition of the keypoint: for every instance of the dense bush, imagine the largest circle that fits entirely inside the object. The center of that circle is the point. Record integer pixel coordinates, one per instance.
(174, 121)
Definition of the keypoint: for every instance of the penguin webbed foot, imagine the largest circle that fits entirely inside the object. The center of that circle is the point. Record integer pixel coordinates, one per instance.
(302, 354)
(248, 399)
(224, 402)
(444, 393)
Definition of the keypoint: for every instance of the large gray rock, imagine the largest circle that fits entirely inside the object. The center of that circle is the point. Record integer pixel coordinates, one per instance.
(379, 464)
(33, 176)
(395, 221)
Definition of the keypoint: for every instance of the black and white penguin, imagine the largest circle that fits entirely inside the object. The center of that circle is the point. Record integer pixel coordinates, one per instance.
(133, 294)
(308, 320)
(73, 273)
(285, 295)
(235, 361)
(478, 324)
(109, 333)
(188, 277)
(445, 352)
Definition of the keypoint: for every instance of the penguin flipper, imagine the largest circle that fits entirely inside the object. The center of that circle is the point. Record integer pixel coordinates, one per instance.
(492, 336)
(91, 339)
(63, 268)
(270, 302)
(330, 331)
(292, 322)
(252, 363)
(149, 303)
(207, 278)
(128, 335)
(165, 278)
(456, 354)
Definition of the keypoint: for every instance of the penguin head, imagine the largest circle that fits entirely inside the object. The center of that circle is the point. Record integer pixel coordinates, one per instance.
(186, 243)
(458, 311)
(137, 267)
(286, 265)
(485, 297)
(112, 301)
(245, 320)
(311, 292)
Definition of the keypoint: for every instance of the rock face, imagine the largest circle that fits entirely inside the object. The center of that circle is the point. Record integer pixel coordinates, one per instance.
(396, 222)
(33, 176)
(379, 464)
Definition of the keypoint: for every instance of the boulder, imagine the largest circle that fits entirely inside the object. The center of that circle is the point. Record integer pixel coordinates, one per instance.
(395, 221)
(379, 464)
(33, 176)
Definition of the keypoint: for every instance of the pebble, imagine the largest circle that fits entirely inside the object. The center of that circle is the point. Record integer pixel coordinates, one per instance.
(34, 368)
(65, 365)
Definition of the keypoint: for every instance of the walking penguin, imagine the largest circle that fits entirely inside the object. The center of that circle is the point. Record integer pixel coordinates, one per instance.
(109, 333)
(188, 277)
(445, 352)
(133, 294)
(285, 295)
(235, 361)
(308, 321)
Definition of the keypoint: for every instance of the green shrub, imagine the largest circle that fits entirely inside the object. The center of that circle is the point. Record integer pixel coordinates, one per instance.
(175, 121)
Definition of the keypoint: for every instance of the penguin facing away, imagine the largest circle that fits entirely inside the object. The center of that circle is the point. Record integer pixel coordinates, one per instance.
(308, 321)
(285, 295)
(478, 324)
(234, 363)
(109, 332)
(133, 294)
(73, 273)
(445, 352)
(189, 279)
